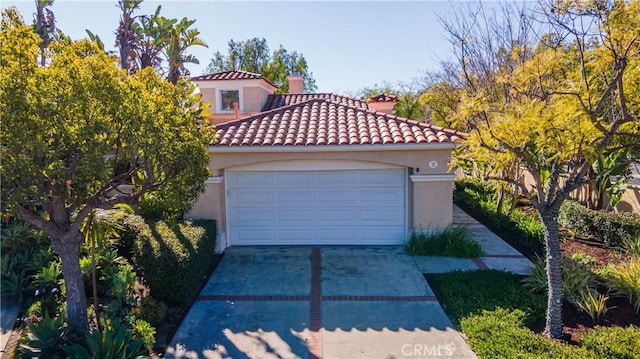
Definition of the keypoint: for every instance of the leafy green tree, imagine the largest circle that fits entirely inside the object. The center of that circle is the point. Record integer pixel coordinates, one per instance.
(440, 102)
(253, 55)
(408, 106)
(553, 107)
(74, 131)
(369, 91)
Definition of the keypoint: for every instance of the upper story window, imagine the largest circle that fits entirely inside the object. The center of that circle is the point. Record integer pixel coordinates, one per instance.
(228, 98)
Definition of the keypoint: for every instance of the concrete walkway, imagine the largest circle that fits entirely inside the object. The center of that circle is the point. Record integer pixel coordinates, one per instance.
(9, 308)
(321, 302)
(497, 253)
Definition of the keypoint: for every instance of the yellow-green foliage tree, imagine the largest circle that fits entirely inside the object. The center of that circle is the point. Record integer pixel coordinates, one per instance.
(572, 97)
(75, 130)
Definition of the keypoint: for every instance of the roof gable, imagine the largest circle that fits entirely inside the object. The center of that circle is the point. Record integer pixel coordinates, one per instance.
(231, 76)
(324, 122)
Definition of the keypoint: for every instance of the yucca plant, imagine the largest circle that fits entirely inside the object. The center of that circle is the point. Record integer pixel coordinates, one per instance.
(592, 303)
(624, 280)
(575, 278)
(48, 338)
(110, 344)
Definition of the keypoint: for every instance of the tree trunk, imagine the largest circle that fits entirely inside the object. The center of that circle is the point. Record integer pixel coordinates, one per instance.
(500, 199)
(68, 249)
(515, 192)
(553, 326)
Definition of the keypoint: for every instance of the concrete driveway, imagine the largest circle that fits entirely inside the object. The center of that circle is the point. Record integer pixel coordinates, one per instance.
(324, 302)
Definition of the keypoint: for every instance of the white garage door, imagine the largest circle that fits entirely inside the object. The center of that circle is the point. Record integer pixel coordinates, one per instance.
(316, 207)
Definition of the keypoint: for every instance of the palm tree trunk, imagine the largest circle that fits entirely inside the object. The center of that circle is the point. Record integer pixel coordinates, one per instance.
(553, 326)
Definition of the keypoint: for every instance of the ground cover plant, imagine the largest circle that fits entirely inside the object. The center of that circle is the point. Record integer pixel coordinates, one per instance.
(450, 242)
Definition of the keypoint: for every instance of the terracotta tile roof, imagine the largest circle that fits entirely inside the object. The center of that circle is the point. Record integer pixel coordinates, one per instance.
(322, 122)
(383, 97)
(231, 75)
(276, 101)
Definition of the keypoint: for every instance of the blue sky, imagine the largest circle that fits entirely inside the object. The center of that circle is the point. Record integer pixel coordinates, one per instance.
(348, 45)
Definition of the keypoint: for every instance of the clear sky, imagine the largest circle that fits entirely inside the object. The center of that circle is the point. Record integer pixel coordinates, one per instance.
(348, 45)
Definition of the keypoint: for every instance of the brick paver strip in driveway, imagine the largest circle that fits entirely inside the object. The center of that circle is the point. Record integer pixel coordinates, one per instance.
(344, 302)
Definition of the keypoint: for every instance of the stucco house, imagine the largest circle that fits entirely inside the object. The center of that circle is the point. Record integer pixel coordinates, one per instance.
(321, 168)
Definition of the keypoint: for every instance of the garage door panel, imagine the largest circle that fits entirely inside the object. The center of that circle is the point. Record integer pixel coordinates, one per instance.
(246, 198)
(380, 216)
(255, 236)
(253, 217)
(340, 234)
(317, 207)
(386, 196)
(294, 236)
(336, 178)
(341, 216)
(297, 179)
(292, 198)
(337, 197)
(391, 178)
(291, 216)
(253, 179)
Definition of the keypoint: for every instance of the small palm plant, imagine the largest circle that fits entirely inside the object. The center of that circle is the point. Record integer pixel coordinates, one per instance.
(98, 230)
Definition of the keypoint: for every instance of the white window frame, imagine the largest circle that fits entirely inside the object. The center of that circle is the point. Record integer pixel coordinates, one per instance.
(219, 99)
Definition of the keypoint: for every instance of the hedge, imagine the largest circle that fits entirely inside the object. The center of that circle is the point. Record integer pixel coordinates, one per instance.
(613, 342)
(612, 228)
(501, 334)
(173, 259)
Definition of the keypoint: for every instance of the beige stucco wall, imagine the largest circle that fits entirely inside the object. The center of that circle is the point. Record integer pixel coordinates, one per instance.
(630, 201)
(432, 204)
(253, 99)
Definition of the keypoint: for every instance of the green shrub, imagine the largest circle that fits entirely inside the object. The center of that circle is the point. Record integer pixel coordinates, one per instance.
(612, 228)
(631, 245)
(150, 310)
(613, 342)
(576, 277)
(530, 227)
(465, 293)
(624, 280)
(501, 334)
(173, 259)
(451, 242)
(479, 198)
(47, 338)
(110, 344)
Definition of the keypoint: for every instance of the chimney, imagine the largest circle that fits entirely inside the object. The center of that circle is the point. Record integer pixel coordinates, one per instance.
(296, 83)
(236, 112)
(383, 103)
